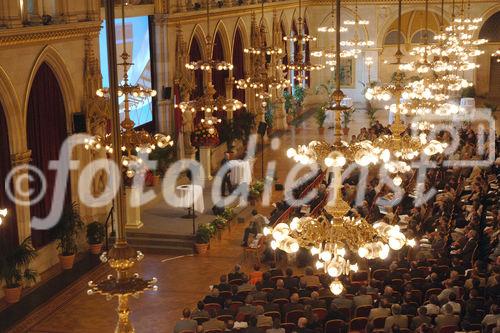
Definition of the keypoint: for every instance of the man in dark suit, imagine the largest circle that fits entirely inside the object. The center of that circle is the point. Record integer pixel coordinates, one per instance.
(279, 292)
(290, 280)
(293, 305)
(274, 271)
(236, 274)
(223, 285)
(226, 181)
(334, 313)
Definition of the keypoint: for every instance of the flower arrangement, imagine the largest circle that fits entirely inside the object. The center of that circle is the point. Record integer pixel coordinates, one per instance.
(205, 135)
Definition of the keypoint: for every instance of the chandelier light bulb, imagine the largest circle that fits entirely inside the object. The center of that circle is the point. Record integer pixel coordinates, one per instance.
(319, 265)
(363, 252)
(336, 287)
(397, 181)
(326, 256)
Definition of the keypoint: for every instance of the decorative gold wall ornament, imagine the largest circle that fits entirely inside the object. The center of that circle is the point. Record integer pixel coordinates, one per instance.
(49, 33)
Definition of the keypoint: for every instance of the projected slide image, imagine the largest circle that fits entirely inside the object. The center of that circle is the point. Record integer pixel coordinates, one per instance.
(138, 48)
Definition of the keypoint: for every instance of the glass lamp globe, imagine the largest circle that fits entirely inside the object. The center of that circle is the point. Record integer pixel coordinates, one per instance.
(336, 287)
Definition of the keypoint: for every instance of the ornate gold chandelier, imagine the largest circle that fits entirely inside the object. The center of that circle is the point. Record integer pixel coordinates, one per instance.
(399, 148)
(133, 141)
(207, 103)
(121, 257)
(3, 214)
(298, 63)
(335, 238)
(355, 46)
(329, 53)
(264, 78)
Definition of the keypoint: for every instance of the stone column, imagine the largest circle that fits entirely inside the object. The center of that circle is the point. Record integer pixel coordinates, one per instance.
(206, 162)
(23, 214)
(65, 12)
(279, 112)
(164, 107)
(93, 10)
(133, 214)
(12, 14)
(229, 86)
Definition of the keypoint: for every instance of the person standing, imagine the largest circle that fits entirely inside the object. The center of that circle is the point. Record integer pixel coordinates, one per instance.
(226, 180)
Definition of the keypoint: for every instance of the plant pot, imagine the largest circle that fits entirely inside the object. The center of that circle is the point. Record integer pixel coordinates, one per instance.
(12, 295)
(346, 130)
(253, 201)
(201, 249)
(297, 129)
(321, 130)
(95, 248)
(67, 261)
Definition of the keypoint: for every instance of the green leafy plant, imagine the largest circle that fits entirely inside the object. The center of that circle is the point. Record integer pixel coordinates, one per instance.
(243, 123)
(203, 234)
(320, 116)
(14, 262)
(95, 232)
(299, 93)
(347, 117)
(228, 213)
(258, 186)
(289, 101)
(67, 229)
(219, 222)
(371, 111)
(269, 114)
(469, 92)
(164, 157)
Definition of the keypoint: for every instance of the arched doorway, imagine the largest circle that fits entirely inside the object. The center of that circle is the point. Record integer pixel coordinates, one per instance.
(46, 129)
(239, 64)
(8, 230)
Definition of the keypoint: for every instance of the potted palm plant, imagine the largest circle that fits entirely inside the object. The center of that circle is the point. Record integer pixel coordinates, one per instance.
(320, 117)
(95, 236)
(14, 270)
(202, 238)
(66, 232)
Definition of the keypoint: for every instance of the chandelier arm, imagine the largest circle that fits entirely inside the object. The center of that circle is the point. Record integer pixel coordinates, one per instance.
(442, 15)
(398, 53)
(426, 26)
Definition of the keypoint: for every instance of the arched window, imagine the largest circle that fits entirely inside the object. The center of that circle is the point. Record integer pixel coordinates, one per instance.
(8, 229)
(46, 114)
(392, 38)
(420, 36)
(489, 29)
(219, 77)
(195, 54)
(239, 64)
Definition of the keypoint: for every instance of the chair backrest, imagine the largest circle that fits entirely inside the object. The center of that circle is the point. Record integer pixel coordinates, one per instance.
(237, 282)
(225, 318)
(281, 301)
(432, 291)
(235, 306)
(490, 327)
(417, 294)
(293, 316)
(380, 274)
(267, 290)
(346, 312)
(225, 294)
(259, 302)
(212, 306)
(201, 320)
(379, 322)
(273, 314)
(289, 327)
(276, 278)
(320, 312)
(418, 282)
(402, 270)
(362, 311)
(213, 331)
(334, 326)
(448, 329)
(475, 327)
(360, 276)
(358, 324)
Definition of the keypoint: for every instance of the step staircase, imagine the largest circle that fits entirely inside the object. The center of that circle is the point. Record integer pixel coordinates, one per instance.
(160, 243)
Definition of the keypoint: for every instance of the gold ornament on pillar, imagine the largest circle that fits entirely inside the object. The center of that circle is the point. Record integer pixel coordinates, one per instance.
(133, 141)
(207, 103)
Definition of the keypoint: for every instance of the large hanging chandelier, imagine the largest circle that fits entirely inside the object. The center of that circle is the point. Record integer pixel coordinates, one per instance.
(207, 103)
(264, 78)
(299, 64)
(133, 141)
(333, 237)
(3, 214)
(329, 52)
(399, 148)
(355, 46)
